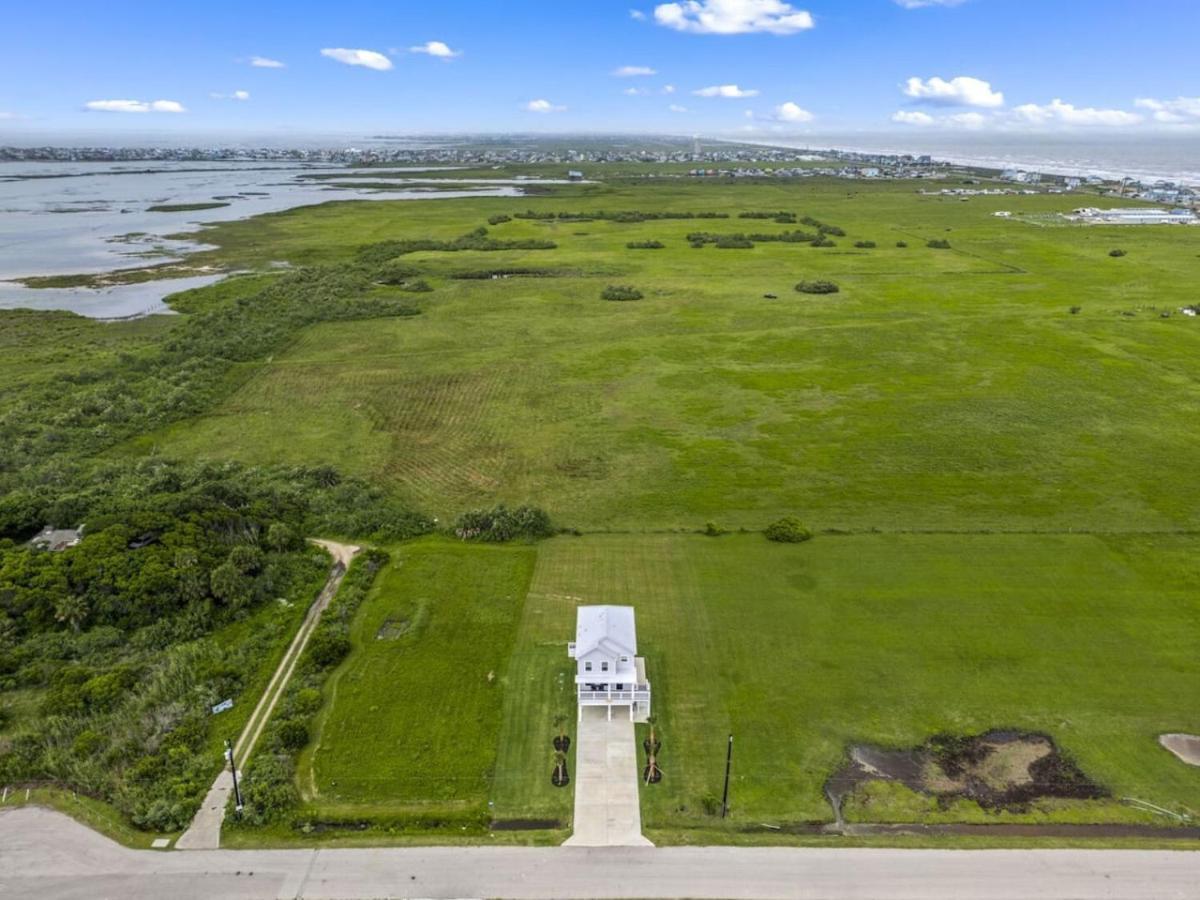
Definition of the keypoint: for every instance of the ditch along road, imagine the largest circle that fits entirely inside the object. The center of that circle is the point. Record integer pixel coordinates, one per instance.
(205, 831)
(49, 855)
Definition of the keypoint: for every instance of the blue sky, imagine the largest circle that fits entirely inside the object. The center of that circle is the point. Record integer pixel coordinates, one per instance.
(765, 67)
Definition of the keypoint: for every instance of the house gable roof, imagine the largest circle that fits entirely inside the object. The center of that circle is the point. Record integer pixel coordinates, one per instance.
(606, 628)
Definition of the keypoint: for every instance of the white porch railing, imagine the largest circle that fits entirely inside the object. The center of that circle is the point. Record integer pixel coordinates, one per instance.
(641, 694)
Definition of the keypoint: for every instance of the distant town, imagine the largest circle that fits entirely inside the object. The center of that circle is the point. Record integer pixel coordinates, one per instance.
(713, 159)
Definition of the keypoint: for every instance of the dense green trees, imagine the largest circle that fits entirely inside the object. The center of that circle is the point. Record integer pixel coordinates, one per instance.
(503, 524)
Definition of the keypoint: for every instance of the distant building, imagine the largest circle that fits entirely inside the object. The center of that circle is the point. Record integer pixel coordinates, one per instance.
(574, 175)
(608, 671)
(57, 539)
(1145, 215)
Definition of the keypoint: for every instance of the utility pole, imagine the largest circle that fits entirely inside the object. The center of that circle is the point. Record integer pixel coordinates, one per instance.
(725, 794)
(237, 791)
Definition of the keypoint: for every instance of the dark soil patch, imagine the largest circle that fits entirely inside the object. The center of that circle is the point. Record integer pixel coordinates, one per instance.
(562, 743)
(999, 770)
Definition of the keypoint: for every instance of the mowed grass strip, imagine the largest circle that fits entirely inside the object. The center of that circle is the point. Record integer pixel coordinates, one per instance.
(801, 650)
(414, 714)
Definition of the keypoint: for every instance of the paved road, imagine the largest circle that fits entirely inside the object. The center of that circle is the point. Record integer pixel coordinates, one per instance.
(44, 854)
(606, 782)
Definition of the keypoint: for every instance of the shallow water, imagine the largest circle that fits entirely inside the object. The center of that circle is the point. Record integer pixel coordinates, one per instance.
(89, 218)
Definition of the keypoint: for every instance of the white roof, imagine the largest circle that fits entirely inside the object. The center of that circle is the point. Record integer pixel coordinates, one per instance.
(608, 628)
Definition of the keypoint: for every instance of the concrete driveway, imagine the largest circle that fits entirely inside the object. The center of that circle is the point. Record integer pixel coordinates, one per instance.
(606, 782)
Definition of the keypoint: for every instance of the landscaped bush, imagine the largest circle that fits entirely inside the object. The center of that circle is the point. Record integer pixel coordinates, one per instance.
(823, 242)
(901, 244)
(503, 524)
(499, 220)
(864, 245)
(620, 292)
(938, 244)
(817, 287)
(788, 530)
(831, 229)
(1116, 253)
(645, 245)
(734, 243)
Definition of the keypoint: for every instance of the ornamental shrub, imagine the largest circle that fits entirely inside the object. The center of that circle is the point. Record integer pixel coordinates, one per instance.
(788, 530)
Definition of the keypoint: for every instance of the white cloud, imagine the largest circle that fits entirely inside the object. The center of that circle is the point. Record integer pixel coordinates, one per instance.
(263, 62)
(733, 17)
(792, 112)
(676, 108)
(729, 91)
(136, 106)
(8, 116)
(921, 4)
(1172, 112)
(637, 15)
(236, 95)
(912, 117)
(436, 48)
(543, 106)
(635, 92)
(668, 89)
(367, 58)
(960, 91)
(633, 71)
(1058, 112)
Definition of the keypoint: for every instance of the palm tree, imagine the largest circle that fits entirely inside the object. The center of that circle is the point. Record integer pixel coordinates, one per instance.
(652, 744)
(560, 778)
(562, 742)
(72, 610)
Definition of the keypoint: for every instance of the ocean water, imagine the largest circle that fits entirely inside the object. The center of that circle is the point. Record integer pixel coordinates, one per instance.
(91, 218)
(1143, 157)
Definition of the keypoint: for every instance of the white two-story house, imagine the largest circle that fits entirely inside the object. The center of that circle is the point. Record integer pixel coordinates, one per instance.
(608, 671)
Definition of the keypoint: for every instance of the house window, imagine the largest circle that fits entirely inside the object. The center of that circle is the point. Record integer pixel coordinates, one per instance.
(624, 659)
(587, 667)
(604, 666)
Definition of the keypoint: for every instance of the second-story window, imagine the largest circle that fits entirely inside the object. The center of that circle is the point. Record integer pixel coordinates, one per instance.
(604, 666)
(587, 667)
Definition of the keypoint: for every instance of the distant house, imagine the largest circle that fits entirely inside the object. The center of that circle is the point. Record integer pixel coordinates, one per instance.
(608, 671)
(57, 539)
(574, 175)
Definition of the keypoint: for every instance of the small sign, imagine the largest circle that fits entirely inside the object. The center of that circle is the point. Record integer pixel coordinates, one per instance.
(222, 706)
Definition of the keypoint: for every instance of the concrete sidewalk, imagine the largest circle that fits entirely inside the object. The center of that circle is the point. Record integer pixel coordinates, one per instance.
(606, 782)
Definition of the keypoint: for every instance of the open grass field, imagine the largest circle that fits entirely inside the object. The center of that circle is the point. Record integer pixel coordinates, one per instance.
(413, 717)
(939, 390)
(1006, 513)
(796, 650)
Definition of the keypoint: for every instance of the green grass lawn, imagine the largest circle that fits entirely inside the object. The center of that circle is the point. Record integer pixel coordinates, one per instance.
(800, 650)
(413, 717)
(796, 650)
